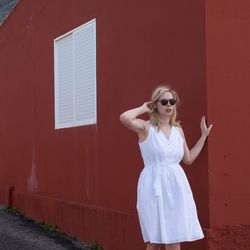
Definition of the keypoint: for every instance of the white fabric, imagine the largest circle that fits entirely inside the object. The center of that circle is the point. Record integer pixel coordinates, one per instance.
(165, 204)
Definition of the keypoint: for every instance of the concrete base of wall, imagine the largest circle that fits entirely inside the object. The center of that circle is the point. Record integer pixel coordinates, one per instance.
(229, 238)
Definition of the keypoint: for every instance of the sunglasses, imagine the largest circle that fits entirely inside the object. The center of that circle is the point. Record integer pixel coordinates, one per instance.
(164, 102)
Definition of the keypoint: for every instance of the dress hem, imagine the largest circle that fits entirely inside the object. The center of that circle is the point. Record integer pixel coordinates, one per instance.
(172, 242)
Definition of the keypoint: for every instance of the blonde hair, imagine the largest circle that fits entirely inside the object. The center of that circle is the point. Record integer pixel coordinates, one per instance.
(154, 116)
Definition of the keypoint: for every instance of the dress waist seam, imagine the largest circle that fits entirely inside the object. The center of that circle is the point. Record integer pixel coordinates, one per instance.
(161, 165)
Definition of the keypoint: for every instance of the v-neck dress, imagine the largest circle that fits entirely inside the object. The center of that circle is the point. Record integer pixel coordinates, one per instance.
(165, 204)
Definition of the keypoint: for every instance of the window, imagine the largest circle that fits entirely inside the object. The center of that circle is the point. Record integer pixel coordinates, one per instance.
(75, 77)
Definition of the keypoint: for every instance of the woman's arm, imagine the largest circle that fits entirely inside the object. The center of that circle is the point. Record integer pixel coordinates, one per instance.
(129, 119)
(191, 155)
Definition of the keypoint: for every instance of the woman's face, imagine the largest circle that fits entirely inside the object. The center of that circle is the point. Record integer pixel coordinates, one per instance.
(167, 109)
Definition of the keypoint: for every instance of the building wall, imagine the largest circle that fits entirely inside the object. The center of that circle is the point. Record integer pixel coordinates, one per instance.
(228, 53)
(84, 179)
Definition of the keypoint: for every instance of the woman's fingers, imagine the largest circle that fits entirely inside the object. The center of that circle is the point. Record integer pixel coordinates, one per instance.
(149, 105)
(204, 129)
(210, 127)
(203, 122)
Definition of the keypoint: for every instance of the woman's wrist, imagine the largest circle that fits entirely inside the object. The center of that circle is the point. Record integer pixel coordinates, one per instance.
(143, 109)
(204, 137)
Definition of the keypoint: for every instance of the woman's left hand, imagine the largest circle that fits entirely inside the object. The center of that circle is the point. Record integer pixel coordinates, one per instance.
(204, 129)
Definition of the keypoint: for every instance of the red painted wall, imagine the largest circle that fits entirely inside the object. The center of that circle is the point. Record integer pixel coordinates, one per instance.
(84, 179)
(228, 76)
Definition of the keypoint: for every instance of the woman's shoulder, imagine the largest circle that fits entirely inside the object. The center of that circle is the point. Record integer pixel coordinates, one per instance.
(179, 128)
(152, 126)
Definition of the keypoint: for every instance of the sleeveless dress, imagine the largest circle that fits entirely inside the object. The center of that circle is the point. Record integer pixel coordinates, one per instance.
(166, 208)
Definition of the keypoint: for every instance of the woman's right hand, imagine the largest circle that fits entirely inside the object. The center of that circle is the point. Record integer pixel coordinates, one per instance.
(147, 107)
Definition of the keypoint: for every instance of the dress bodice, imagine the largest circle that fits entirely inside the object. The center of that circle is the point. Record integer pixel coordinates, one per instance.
(157, 149)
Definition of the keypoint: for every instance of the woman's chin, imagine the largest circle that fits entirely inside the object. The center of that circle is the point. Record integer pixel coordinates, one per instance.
(166, 115)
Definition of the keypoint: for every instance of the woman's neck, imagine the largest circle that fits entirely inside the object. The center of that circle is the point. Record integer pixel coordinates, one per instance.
(165, 122)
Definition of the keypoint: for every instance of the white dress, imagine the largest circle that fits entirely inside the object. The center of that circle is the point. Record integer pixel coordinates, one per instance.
(165, 204)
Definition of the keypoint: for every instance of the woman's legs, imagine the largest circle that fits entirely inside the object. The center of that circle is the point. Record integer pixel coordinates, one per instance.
(175, 246)
(153, 246)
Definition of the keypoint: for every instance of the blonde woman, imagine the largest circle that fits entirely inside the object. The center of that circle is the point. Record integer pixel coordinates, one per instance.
(165, 204)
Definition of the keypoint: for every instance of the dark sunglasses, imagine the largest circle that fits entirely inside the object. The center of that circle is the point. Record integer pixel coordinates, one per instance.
(164, 102)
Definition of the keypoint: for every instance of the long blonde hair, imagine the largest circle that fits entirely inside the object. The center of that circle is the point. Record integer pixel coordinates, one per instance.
(154, 116)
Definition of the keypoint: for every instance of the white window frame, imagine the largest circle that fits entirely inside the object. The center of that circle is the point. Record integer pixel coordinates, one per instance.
(74, 123)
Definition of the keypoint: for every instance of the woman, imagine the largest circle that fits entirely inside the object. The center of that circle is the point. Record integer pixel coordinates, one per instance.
(165, 204)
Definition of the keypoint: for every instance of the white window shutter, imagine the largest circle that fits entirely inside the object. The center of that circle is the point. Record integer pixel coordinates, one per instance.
(85, 74)
(75, 77)
(65, 91)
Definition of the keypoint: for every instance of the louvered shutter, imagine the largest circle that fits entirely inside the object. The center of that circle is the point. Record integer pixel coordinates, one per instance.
(75, 77)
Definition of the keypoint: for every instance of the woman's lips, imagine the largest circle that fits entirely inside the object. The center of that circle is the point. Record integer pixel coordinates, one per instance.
(168, 110)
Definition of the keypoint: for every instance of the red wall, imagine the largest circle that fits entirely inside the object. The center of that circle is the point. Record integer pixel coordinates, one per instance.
(228, 76)
(84, 179)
